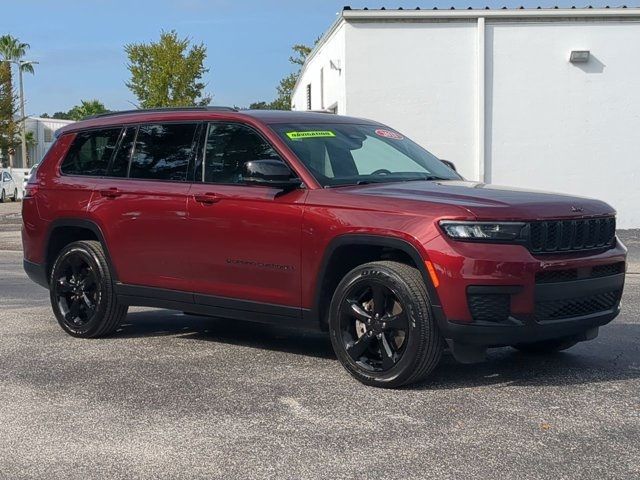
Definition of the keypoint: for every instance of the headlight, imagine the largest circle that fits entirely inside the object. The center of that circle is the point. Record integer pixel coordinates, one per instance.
(483, 231)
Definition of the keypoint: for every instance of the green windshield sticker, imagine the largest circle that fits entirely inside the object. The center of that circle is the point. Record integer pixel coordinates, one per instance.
(311, 134)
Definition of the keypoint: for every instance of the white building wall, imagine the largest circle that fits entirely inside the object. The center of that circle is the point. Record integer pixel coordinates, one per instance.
(495, 93)
(43, 133)
(557, 126)
(418, 79)
(325, 74)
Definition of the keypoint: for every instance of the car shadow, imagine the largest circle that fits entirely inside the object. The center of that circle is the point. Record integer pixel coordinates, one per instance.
(233, 332)
(614, 356)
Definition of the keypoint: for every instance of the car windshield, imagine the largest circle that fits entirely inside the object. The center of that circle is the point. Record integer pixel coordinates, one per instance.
(353, 154)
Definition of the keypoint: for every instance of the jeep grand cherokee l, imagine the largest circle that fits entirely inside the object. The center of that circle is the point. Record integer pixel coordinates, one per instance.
(314, 221)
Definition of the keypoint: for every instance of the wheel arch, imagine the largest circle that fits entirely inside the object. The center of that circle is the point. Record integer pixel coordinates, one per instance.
(346, 252)
(66, 230)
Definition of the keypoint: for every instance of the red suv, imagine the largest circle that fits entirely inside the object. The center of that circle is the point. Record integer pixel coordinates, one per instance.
(315, 221)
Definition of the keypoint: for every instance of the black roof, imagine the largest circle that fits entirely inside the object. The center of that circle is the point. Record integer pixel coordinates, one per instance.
(211, 113)
(296, 116)
(162, 110)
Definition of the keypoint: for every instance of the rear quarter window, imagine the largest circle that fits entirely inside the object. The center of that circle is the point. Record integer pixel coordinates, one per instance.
(91, 152)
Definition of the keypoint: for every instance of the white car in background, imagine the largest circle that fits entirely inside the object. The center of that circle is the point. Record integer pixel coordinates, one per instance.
(8, 187)
(26, 178)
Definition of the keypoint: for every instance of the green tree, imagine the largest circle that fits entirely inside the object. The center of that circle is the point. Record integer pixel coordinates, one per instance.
(167, 73)
(260, 106)
(8, 125)
(86, 108)
(61, 116)
(286, 85)
(12, 50)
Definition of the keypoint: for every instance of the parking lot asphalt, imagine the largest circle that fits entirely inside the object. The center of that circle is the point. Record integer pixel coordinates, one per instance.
(177, 396)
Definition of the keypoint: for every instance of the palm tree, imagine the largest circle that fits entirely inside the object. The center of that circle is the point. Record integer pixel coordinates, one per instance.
(13, 50)
(87, 108)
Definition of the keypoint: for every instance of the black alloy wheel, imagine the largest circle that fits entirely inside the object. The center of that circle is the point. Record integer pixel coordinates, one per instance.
(82, 291)
(381, 325)
(75, 288)
(373, 326)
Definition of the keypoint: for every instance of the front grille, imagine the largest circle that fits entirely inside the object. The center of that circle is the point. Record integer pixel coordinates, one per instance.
(577, 307)
(571, 235)
(556, 276)
(489, 307)
(607, 270)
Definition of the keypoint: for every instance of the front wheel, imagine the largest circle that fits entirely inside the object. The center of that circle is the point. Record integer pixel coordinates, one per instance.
(2, 197)
(15, 196)
(82, 293)
(381, 325)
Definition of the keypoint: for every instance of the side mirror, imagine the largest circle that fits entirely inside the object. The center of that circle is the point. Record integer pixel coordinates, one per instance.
(270, 173)
(449, 164)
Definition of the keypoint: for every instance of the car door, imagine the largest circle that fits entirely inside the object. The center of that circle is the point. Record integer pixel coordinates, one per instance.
(244, 240)
(142, 203)
(6, 184)
(12, 187)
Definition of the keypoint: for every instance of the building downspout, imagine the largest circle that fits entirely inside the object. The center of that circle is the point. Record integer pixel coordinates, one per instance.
(483, 174)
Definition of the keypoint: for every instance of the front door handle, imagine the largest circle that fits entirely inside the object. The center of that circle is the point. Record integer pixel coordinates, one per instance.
(110, 193)
(206, 198)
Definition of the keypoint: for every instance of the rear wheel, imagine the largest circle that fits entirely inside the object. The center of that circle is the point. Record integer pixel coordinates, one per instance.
(547, 346)
(82, 293)
(2, 196)
(381, 326)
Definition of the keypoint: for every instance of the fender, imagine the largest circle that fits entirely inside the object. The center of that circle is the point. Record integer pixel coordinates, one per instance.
(88, 225)
(372, 240)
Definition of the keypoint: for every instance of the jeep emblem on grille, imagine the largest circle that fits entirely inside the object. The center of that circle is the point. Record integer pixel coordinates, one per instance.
(577, 209)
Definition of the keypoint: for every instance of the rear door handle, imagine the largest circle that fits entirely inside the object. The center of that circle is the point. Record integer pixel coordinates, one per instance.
(206, 198)
(111, 193)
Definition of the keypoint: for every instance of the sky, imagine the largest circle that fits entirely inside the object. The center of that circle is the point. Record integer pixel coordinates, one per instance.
(79, 43)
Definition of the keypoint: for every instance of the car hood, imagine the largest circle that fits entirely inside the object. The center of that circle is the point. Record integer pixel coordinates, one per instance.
(489, 201)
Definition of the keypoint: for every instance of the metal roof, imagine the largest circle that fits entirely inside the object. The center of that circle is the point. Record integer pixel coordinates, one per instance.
(349, 13)
(555, 7)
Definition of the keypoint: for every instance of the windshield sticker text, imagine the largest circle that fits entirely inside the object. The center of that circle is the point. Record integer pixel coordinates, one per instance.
(388, 134)
(310, 134)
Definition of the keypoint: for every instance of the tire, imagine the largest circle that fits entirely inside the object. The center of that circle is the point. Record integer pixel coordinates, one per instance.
(390, 342)
(15, 195)
(547, 346)
(82, 291)
(2, 197)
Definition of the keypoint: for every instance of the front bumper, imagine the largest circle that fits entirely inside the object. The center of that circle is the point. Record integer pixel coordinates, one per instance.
(501, 335)
(536, 310)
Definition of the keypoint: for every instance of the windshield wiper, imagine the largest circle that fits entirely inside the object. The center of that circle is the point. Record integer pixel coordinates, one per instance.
(385, 179)
(359, 182)
(430, 178)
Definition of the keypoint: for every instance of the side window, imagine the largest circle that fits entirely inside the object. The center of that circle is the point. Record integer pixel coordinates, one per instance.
(6, 177)
(228, 147)
(120, 164)
(162, 151)
(90, 152)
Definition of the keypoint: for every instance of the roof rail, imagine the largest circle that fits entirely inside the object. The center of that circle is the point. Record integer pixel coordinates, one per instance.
(164, 109)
